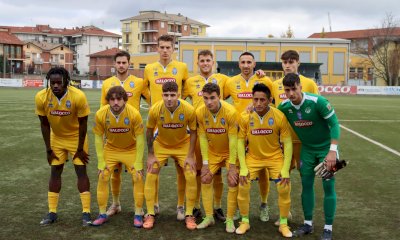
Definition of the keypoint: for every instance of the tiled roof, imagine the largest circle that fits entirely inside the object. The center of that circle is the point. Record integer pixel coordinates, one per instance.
(7, 38)
(106, 53)
(353, 34)
(44, 45)
(46, 29)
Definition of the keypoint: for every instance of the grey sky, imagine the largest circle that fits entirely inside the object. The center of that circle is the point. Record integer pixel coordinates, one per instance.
(229, 18)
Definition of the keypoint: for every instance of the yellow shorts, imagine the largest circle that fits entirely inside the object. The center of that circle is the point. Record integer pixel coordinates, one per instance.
(255, 166)
(62, 146)
(178, 153)
(217, 162)
(113, 158)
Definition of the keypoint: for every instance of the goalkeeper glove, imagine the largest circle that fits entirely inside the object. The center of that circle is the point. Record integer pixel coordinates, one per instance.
(322, 171)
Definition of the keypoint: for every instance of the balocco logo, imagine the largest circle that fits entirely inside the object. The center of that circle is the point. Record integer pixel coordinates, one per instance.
(282, 96)
(119, 130)
(246, 95)
(334, 89)
(261, 131)
(303, 123)
(216, 130)
(60, 113)
(129, 94)
(172, 125)
(164, 80)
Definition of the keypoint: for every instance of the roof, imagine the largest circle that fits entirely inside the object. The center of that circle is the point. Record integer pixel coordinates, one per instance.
(46, 29)
(262, 40)
(106, 53)
(45, 45)
(156, 15)
(8, 38)
(364, 33)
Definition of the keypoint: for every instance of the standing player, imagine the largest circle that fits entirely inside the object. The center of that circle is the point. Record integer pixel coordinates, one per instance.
(240, 88)
(264, 130)
(122, 127)
(63, 112)
(193, 89)
(314, 121)
(134, 88)
(155, 74)
(217, 129)
(173, 118)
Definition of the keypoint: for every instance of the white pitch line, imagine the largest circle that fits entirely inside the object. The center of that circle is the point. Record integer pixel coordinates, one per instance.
(372, 141)
(370, 120)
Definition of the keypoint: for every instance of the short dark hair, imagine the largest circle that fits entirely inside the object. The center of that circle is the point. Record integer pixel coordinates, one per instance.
(122, 54)
(246, 53)
(118, 91)
(59, 71)
(291, 79)
(166, 38)
(210, 88)
(290, 55)
(205, 53)
(261, 87)
(170, 87)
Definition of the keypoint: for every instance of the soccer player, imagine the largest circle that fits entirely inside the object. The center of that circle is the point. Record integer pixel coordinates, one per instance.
(217, 130)
(240, 88)
(155, 74)
(63, 112)
(135, 89)
(122, 127)
(314, 120)
(193, 89)
(264, 130)
(173, 117)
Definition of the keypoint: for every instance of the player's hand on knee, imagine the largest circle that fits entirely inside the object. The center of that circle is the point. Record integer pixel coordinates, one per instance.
(82, 155)
(151, 160)
(233, 176)
(285, 181)
(206, 175)
(101, 173)
(189, 161)
(243, 180)
(51, 156)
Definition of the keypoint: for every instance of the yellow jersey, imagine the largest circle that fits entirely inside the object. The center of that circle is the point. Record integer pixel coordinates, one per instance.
(172, 127)
(193, 86)
(133, 86)
(217, 128)
(120, 131)
(156, 74)
(264, 134)
(62, 113)
(241, 90)
(278, 92)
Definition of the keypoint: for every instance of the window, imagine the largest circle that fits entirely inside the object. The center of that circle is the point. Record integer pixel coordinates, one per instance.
(270, 56)
(62, 48)
(235, 55)
(27, 55)
(360, 72)
(162, 24)
(220, 55)
(188, 59)
(100, 38)
(338, 63)
(126, 38)
(256, 55)
(305, 57)
(142, 65)
(61, 56)
(322, 57)
(131, 66)
(185, 27)
(179, 29)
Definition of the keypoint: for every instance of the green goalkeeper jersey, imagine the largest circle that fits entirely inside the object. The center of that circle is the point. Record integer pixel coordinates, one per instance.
(314, 120)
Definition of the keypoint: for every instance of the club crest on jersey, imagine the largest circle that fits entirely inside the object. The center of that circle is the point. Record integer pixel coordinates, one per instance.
(174, 71)
(299, 115)
(223, 121)
(181, 117)
(270, 121)
(126, 121)
(68, 104)
(308, 110)
(214, 81)
(132, 84)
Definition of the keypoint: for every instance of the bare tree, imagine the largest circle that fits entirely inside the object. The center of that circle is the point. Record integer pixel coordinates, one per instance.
(384, 50)
(288, 34)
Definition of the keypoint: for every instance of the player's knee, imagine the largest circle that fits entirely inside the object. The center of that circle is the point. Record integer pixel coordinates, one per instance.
(232, 184)
(206, 179)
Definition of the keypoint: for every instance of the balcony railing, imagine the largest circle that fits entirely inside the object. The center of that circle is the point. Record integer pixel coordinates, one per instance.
(37, 60)
(148, 29)
(126, 30)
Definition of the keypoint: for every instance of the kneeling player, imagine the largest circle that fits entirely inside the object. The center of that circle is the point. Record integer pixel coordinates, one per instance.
(122, 127)
(264, 129)
(218, 141)
(172, 117)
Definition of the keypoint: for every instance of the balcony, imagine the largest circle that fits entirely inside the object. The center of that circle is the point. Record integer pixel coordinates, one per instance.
(54, 62)
(148, 41)
(148, 29)
(126, 30)
(179, 34)
(37, 61)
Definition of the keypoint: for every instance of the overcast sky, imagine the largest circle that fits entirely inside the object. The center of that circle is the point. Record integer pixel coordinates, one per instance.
(227, 18)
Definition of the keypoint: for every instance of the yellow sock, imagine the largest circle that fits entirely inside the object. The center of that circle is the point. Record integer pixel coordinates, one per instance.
(116, 185)
(191, 191)
(244, 199)
(181, 185)
(52, 198)
(157, 187)
(263, 183)
(138, 192)
(103, 192)
(207, 197)
(198, 195)
(283, 199)
(232, 201)
(150, 191)
(85, 199)
(218, 189)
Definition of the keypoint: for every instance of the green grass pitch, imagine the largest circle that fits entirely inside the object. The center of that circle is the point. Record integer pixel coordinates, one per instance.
(368, 189)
